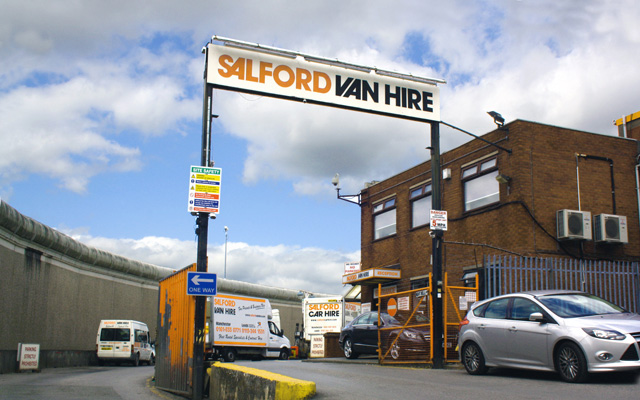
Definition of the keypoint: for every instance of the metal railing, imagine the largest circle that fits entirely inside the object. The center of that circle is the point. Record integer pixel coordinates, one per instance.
(616, 281)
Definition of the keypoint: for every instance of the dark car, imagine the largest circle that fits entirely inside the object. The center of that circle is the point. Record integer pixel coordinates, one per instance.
(360, 336)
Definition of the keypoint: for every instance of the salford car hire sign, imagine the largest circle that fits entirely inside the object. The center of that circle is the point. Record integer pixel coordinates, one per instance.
(251, 68)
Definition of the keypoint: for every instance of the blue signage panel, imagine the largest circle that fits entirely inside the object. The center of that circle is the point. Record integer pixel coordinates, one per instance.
(201, 284)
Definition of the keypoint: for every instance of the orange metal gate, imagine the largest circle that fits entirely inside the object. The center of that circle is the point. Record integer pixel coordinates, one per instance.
(405, 335)
(454, 307)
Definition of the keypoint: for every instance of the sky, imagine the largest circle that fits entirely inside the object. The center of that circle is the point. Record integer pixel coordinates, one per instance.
(101, 115)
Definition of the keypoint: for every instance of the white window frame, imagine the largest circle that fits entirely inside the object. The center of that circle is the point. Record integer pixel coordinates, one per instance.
(383, 212)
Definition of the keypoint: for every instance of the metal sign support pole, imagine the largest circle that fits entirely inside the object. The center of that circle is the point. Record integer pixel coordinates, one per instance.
(201, 264)
(436, 246)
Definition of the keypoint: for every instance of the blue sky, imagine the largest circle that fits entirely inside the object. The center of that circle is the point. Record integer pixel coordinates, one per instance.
(101, 110)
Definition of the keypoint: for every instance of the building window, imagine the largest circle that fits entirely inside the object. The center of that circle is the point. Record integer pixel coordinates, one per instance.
(420, 205)
(384, 219)
(480, 185)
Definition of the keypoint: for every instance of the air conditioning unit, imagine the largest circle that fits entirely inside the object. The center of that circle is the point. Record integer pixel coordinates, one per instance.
(610, 228)
(573, 224)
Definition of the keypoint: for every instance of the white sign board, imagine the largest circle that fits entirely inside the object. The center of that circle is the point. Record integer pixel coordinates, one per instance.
(438, 220)
(204, 189)
(293, 76)
(28, 356)
(240, 321)
(322, 315)
(351, 267)
(317, 346)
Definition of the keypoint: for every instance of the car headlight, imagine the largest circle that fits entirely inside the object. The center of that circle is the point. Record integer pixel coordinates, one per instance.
(604, 333)
(410, 335)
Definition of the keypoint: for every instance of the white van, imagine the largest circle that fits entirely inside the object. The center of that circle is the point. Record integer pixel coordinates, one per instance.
(124, 340)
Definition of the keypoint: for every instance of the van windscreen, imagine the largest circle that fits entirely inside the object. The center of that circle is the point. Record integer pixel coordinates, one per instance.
(115, 335)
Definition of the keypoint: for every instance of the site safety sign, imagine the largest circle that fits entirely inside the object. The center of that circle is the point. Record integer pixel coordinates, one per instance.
(204, 189)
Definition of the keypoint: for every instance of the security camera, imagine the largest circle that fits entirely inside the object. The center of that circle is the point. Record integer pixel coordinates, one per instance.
(336, 180)
(432, 234)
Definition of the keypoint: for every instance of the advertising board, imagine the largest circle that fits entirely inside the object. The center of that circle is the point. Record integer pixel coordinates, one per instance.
(251, 68)
(240, 321)
(322, 315)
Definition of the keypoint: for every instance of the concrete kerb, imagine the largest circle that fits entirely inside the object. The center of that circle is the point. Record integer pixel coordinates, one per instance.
(230, 381)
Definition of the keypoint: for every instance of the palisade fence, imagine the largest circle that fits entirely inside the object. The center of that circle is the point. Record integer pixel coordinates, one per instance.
(616, 281)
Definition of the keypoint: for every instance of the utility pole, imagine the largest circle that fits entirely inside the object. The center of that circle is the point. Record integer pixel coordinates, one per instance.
(436, 251)
(203, 234)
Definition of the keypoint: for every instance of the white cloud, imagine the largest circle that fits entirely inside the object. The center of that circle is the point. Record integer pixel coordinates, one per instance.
(312, 269)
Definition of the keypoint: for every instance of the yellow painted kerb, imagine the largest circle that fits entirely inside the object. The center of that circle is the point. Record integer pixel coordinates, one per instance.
(286, 387)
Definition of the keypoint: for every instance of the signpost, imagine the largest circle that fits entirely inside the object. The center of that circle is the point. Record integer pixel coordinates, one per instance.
(264, 70)
(202, 284)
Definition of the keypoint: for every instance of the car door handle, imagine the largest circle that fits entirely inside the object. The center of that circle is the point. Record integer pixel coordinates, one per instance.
(513, 329)
(482, 326)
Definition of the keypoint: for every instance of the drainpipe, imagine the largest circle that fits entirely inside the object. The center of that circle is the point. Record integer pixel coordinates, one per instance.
(613, 186)
(578, 180)
(638, 184)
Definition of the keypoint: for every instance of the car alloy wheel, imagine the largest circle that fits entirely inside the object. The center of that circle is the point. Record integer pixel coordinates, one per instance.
(571, 363)
(473, 359)
(348, 349)
(395, 349)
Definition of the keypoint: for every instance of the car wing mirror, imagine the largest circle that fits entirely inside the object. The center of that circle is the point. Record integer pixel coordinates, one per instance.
(375, 323)
(536, 316)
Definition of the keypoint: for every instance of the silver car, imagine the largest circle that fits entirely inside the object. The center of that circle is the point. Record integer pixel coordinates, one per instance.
(573, 333)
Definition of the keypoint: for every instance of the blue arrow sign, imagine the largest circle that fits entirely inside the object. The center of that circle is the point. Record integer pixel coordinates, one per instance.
(201, 284)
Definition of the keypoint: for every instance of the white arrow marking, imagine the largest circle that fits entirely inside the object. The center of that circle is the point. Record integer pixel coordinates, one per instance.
(196, 280)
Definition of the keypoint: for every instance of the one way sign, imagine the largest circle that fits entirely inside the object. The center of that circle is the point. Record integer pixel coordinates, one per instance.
(201, 284)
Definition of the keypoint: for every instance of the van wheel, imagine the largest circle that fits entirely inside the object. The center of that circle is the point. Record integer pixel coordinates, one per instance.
(136, 360)
(229, 355)
(284, 354)
(152, 360)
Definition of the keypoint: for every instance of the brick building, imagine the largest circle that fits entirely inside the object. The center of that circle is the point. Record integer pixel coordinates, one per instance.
(501, 202)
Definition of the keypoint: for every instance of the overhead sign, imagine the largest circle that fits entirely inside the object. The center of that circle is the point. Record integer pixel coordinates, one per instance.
(201, 284)
(371, 275)
(299, 77)
(438, 220)
(204, 189)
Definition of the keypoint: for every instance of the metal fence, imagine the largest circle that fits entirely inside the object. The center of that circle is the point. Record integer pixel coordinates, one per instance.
(408, 338)
(616, 281)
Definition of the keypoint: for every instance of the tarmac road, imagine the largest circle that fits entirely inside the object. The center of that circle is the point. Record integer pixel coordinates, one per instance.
(81, 383)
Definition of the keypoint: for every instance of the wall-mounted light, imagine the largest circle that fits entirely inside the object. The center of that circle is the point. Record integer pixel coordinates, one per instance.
(446, 173)
(497, 118)
(351, 198)
(503, 178)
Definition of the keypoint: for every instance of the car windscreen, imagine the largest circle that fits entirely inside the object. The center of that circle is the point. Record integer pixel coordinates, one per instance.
(579, 305)
(115, 335)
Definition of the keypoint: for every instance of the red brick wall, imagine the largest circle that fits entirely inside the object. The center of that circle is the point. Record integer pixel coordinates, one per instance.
(542, 166)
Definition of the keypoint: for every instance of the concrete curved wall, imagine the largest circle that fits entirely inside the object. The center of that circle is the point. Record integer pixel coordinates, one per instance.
(55, 290)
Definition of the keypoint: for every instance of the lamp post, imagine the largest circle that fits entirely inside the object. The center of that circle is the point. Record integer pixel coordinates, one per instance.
(226, 236)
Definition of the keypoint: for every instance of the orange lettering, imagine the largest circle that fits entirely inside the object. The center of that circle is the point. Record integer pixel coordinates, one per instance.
(316, 82)
(250, 77)
(287, 70)
(303, 77)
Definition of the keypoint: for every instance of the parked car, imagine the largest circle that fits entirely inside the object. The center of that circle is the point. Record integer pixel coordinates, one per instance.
(573, 333)
(360, 336)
